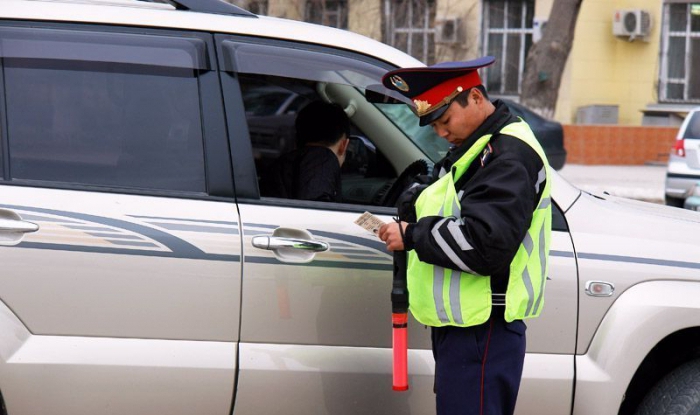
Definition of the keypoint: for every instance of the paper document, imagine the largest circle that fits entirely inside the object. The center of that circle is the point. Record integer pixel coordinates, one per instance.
(370, 222)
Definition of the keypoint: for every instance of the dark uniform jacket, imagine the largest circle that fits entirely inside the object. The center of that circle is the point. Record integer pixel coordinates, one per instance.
(497, 201)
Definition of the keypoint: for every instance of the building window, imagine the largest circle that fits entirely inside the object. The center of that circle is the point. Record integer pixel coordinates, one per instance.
(333, 13)
(409, 26)
(680, 53)
(508, 37)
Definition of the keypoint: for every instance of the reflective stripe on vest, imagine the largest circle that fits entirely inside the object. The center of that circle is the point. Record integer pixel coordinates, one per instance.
(460, 297)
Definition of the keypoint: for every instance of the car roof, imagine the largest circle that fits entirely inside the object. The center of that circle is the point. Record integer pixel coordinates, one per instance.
(159, 15)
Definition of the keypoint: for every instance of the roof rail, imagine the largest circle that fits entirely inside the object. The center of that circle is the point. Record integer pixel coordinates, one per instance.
(208, 6)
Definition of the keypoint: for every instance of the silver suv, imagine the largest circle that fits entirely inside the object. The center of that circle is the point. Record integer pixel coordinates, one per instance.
(683, 171)
(143, 272)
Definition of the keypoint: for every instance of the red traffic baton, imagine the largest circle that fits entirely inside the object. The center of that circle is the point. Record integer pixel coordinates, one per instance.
(399, 320)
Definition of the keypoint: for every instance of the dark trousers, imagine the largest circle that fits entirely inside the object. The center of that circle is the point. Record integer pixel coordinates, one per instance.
(478, 369)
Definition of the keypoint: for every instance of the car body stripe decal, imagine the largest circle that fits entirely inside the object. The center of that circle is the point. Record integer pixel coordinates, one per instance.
(48, 219)
(89, 228)
(183, 249)
(179, 247)
(215, 222)
(123, 251)
(195, 228)
(351, 251)
(369, 243)
(114, 235)
(638, 260)
(363, 257)
(131, 243)
(323, 264)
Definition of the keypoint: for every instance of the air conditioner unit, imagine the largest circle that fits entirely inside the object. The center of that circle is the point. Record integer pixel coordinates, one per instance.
(633, 24)
(448, 30)
(538, 25)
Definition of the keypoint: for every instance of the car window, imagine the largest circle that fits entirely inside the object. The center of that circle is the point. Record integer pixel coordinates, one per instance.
(105, 109)
(272, 133)
(274, 91)
(312, 64)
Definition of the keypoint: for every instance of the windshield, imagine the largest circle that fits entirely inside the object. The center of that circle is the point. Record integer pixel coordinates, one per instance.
(424, 137)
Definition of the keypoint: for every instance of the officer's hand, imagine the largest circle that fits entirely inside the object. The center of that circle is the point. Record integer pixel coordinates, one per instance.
(391, 235)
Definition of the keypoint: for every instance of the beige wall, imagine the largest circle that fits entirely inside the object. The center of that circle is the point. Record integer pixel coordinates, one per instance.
(288, 9)
(605, 70)
(365, 17)
(542, 8)
(469, 12)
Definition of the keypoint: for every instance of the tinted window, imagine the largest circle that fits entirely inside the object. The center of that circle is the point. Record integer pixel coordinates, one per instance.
(365, 170)
(276, 83)
(120, 115)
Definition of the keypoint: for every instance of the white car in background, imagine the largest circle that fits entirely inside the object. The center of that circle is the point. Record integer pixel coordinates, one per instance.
(143, 272)
(683, 171)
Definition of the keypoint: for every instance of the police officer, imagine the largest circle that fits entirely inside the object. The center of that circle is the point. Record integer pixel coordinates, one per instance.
(477, 232)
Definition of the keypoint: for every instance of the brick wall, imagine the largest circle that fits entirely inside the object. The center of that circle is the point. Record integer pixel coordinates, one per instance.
(615, 144)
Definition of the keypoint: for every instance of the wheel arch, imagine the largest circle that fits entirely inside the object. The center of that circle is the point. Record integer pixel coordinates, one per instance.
(674, 350)
(648, 323)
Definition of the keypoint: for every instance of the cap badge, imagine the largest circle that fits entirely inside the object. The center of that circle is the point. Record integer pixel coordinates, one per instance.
(421, 106)
(399, 83)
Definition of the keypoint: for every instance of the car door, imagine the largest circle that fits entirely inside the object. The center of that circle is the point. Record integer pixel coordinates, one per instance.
(120, 245)
(316, 322)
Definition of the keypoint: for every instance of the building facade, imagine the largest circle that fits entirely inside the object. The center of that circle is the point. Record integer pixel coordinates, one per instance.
(630, 64)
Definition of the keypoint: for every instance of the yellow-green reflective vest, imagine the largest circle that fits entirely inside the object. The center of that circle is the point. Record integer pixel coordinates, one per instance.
(447, 297)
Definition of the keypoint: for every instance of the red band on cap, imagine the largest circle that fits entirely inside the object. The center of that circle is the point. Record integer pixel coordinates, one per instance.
(437, 93)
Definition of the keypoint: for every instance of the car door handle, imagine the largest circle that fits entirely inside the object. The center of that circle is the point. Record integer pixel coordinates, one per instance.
(292, 245)
(13, 227)
(17, 226)
(274, 242)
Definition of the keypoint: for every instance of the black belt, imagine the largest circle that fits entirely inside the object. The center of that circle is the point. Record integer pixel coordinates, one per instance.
(498, 299)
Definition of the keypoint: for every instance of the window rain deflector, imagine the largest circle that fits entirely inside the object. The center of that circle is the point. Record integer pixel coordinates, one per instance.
(174, 52)
(309, 65)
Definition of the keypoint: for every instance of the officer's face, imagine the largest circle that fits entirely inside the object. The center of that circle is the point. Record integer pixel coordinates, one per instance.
(458, 123)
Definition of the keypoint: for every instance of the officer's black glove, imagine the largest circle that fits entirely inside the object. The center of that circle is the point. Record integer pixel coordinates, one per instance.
(406, 202)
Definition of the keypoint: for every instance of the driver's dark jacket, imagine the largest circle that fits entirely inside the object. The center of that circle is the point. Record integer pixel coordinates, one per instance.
(497, 204)
(309, 173)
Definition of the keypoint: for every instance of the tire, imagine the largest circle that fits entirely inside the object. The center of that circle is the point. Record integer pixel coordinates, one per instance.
(674, 201)
(678, 393)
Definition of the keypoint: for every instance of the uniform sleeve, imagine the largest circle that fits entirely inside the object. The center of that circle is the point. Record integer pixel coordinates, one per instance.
(496, 210)
(406, 201)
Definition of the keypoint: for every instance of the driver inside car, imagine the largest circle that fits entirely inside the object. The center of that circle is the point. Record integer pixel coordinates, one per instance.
(312, 171)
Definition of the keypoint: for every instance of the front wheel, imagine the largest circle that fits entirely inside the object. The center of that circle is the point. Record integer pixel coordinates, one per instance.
(678, 393)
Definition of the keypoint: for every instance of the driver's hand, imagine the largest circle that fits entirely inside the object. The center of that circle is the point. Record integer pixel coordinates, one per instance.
(391, 235)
